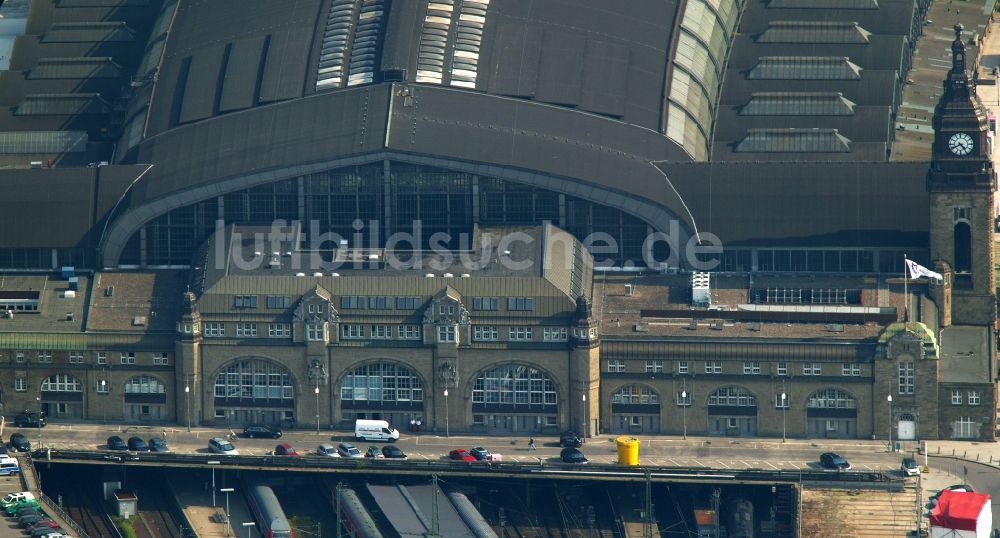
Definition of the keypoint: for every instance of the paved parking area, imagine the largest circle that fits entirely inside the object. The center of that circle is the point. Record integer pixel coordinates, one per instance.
(8, 526)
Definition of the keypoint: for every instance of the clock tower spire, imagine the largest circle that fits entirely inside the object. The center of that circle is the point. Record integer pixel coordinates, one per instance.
(961, 183)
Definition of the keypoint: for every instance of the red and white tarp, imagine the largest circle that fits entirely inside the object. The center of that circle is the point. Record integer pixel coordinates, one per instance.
(962, 514)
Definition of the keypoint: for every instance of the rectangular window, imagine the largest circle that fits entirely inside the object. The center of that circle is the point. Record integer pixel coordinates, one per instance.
(906, 378)
(19, 356)
(850, 369)
(380, 302)
(407, 303)
(682, 367)
(654, 366)
(956, 397)
(279, 330)
(974, 397)
(409, 332)
(965, 428)
(246, 329)
(278, 301)
(782, 368)
(484, 333)
(315, 333)
(781, 403)
(161, 359)
(555, 334)
(128, 357)
(520, 303)
(44, 356)
(751, 367)
(215, 329)
(103, 387)
(20, 384)
(102, 357)
(76, 357)
(519, 333)
(353, 302)
(812, 368)
(447, 333)
(616, 365)
(352, 331)
(485, 303)
(381, 332)
(245, 301)
(713, 367)
(684, 398)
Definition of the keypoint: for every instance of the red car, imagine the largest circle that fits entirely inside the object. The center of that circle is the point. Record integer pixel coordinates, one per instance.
(461, 454)
(285, 449)
(45, 523)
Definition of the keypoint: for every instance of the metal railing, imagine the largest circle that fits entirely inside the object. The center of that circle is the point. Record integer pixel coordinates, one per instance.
(62, 514)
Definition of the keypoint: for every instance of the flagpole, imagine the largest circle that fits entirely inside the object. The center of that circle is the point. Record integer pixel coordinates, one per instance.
(906, 295)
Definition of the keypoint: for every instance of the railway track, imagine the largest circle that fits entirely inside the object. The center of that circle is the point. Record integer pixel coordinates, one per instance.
(154, 508)
(83, 508)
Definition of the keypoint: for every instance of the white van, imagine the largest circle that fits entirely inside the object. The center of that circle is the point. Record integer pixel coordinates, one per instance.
(374, 430)
(9, 466)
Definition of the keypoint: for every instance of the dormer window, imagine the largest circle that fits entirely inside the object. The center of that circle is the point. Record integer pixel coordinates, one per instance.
(447, 334)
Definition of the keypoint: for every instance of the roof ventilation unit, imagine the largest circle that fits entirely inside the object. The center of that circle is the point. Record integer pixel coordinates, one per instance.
(69, 294)
(334, 274)
(300, 274)
(317, 274)
(448, 275)
(429, 275)
(466, 275)
(701, 294)
(69, 316)
(274, 263)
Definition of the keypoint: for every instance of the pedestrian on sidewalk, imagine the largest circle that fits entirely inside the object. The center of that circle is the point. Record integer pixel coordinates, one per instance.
(531, 444)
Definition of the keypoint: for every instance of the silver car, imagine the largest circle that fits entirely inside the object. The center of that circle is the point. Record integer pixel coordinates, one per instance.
(348, 450)
(327, 450)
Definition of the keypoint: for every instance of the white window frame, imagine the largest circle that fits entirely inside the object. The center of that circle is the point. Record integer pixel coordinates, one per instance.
(555, 334)
(246, 329)
(778, 404)
(812, 368)
(161, 359)
(616, 366)
(713, 367)
(279, 330)
(214, 329)
(44, 356)
(751, 367)
(409, 332)
(485, 333)
(683, 367)
(974, 397)
(75, 357)
(520, 334)
(102, 357)
(684, 401)
(19, 356)
(127, 357)
(965, 428)
(316, 332)
(381, 332)
(447, 334)
(781, 368)
(20, 384)
(907, 377)
(956, 397)
(654, 366)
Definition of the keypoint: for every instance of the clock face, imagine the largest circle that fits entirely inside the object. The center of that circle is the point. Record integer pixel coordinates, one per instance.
(960, 144)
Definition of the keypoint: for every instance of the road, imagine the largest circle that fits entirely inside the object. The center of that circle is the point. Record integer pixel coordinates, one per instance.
(982, 478)
(719, 453)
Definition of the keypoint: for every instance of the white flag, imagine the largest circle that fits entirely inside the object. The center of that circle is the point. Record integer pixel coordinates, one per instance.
(915, 270)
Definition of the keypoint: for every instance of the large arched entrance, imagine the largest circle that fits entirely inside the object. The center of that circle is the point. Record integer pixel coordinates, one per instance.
(832, 413)
(145, 400)
(382, 391)
(254, 391)
(732, 411)
(635, 409)
(515, 398)
(62, 397)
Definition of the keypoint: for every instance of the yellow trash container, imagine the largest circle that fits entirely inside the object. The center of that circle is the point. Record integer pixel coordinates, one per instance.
(628, 450)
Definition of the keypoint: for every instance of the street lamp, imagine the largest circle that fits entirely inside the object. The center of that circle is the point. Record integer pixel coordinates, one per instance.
(187, 396)
(889, 399)
(227, 491)
(104, 408)
(784, 414)
(317, 408)
(213, 464)
(249, 525)
(39, 400)
(586, 425)
(447, 428)
(684, 411)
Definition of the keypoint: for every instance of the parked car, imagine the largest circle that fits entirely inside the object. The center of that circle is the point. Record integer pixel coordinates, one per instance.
(910, 467)
(393, 452)
(138, 444)
(572, 455)
(116, 443)
(157, 444)
(41, 532)
(44, 523)
(482, 454)
(19, 442)
(9, 466)
(11, 498)
(832, 460)
(24, 503)
(348, 450)
(28, 520)
(374, 452)
(29, 419)
(221, 446)
(461, 454)
(25, 509)
(327, 450)
(263, 431)
(285, 449)
(570, 439)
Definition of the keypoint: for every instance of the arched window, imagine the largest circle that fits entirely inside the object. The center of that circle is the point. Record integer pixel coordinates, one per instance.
(144, 384)
(963, 247)
(61, 383)
(831, 399)
(382, 381)
(732, 396)
(514, 384)
(635, 394)
(254, 379)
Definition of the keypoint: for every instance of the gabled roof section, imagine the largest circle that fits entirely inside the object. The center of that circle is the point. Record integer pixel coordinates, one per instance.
(75, 68)
(823, 4)
(814, 32)
(88, 32)
(805, 68)
(798, 104)
(62, 104)
(322, 293)
(29, 142)
(793, 141)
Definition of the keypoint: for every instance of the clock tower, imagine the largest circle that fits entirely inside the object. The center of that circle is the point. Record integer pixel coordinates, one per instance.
(962, 183)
